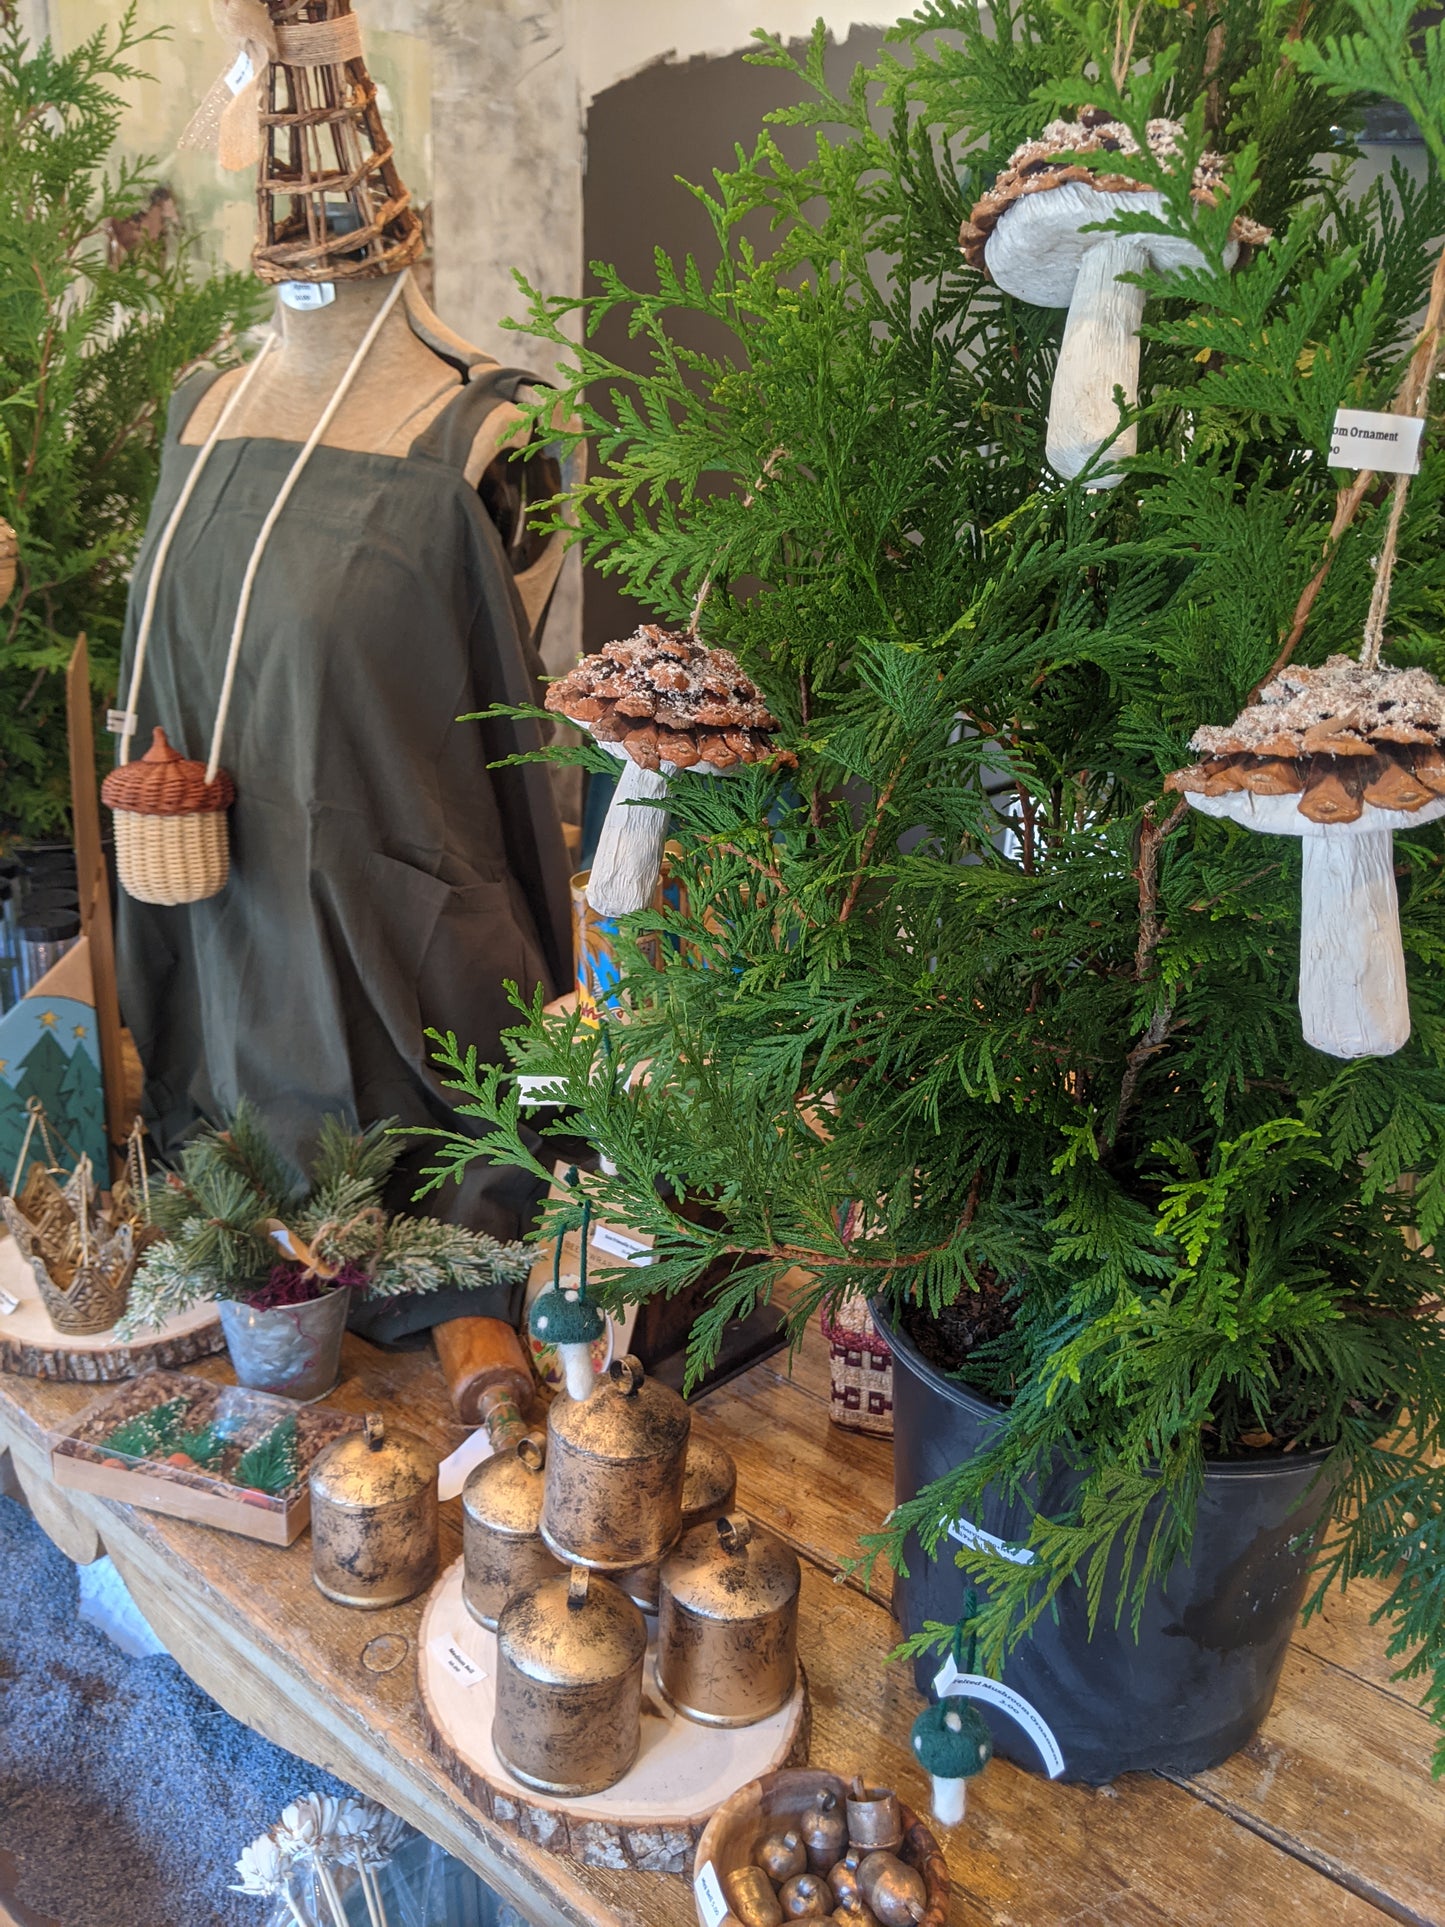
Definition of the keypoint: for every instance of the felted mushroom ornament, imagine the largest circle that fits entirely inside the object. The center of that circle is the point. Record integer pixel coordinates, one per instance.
(1342, 756)
(571, 1324)
(659, 702)
(952, 1744)
(1030, 234)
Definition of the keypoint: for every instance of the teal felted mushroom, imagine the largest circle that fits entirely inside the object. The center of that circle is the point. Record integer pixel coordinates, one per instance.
(952, 1744)
(571, 1324)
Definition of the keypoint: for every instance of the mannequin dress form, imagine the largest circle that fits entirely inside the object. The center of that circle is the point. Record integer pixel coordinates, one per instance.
(385, 880)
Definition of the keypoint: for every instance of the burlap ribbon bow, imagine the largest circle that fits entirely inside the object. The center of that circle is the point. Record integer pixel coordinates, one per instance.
(229, 118)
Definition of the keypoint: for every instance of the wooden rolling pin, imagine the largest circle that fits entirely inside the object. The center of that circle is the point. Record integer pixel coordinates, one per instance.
(488, 1376)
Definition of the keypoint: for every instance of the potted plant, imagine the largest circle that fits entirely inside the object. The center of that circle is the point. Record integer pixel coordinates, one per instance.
(283, 1252)
(104, 312)
(1158, 1272)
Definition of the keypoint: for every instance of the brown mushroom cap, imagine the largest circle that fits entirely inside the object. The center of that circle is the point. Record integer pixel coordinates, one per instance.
(662, 698)
(1341, 736)
(1037, 166)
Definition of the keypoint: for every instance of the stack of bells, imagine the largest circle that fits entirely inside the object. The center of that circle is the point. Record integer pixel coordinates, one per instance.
(570, 1540)
(834, 1866)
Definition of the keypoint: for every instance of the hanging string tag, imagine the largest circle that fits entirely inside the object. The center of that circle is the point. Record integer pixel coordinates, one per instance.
(1388, 444)
(119, 723)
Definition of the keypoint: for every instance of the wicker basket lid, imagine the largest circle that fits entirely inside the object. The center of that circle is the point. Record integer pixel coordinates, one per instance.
(165, 783)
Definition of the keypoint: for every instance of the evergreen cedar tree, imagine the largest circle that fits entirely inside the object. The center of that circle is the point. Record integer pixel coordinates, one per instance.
(969, 966)
(100, 319)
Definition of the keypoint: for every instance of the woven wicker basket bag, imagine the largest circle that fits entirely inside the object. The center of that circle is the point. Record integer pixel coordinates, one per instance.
(172, 844)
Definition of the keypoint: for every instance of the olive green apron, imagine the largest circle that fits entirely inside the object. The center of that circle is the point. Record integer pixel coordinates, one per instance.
(385, 880)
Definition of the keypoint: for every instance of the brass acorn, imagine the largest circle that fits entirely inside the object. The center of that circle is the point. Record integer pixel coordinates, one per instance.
(782, 1856)
(824, 1828)
(807, 1896)
(896, 1893)
(750, 1895)
(843, 1879)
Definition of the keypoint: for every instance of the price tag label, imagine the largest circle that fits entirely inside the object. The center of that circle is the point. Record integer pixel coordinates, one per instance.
(242, 73)
(8, 1303)
(621, 1244)
(452, 1472)
(711, 1901)
(1389, 444)
(978, 1686)
(534, 1088)
(448, 1654)
(119, 724)
(302, 295)
(968, 1534)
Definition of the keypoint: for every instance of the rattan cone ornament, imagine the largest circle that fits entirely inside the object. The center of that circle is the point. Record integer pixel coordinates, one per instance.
(172, 841)
(331, 205)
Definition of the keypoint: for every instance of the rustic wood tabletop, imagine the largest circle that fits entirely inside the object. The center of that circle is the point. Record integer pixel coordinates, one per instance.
(1330, 1816)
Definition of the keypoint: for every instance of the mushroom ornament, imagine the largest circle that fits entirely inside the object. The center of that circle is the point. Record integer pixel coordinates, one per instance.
(659, 702)
(1341, 756)
(1031, 235)
(952, 1744)
(572, 1324)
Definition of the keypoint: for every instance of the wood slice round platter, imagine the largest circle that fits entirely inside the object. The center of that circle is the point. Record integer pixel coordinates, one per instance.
(652, 1819)
(31, 1346)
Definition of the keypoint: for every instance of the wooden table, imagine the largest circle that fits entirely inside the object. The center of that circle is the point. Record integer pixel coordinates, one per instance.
(1330, 1819)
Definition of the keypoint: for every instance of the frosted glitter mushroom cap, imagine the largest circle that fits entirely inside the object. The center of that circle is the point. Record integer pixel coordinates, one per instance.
(1341, 756)
(660, 702)
(1030, 233)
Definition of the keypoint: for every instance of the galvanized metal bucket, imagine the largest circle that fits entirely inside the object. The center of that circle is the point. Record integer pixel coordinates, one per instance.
(293, 1351)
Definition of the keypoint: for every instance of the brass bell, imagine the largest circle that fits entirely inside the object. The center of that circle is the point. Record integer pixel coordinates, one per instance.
(807, 1896)
(895, 1893)
(502, 1549)
(615, 1466)
(727, 1629)
(749, 1893)
(824, 1828)
(709, 1483)
(569, 1684)
(374, 1517)
(875, 1819)
(709, 1486)
(781, 1856)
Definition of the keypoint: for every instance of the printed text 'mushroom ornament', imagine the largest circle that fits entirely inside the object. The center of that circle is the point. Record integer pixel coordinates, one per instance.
(1341, 756)
(1036, 234)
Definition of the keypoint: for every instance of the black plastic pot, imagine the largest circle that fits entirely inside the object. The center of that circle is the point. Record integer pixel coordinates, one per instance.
(1199, 1680)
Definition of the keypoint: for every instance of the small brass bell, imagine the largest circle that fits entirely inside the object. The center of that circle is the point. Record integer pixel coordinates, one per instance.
(750, 1895)
(615, 1468)
(502, 1549)
(895, 1893)
(824, 1828)
(855, 1914)
(807, 1896)
(875, 1819)
(569, 1684)
(374, 1517)
(781, 1856)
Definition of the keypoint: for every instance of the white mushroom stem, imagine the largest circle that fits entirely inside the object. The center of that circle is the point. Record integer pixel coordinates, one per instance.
(629, 852)
(950, 1797)
(1100, 353)
(1352, 995)
(577, 1364)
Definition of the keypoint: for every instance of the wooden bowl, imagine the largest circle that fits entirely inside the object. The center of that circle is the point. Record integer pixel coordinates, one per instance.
(780, 1800)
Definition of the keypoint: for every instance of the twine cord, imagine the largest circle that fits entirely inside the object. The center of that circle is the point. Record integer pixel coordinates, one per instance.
(248, 583)
(163, 547)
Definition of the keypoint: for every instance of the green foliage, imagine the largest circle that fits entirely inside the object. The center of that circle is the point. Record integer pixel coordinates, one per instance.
(273, 1463)
(147, 1433)
(217, 1211)
(92, 341)
(970, 968)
